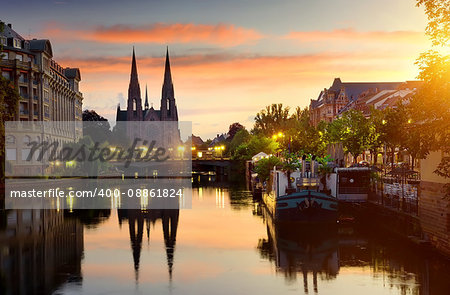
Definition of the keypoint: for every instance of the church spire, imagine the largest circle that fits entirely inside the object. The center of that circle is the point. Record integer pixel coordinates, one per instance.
(134, 94)
(146, 98)
(167, 74)
(168, 107)
(134, 81)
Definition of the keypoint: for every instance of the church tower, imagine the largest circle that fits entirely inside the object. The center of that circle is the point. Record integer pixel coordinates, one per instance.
(168, 106)
(146, 98)
(134, 108)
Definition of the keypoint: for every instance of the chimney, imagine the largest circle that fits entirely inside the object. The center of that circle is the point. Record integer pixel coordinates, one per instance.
(9, 25)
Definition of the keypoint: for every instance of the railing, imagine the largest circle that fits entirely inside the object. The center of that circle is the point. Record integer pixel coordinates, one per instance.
(23, 112)
(353, 190)
(35, 97)
(24, 95)
(23, 80)
(307, 181)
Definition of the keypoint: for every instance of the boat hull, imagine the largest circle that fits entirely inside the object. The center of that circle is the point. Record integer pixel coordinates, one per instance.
(303, 207)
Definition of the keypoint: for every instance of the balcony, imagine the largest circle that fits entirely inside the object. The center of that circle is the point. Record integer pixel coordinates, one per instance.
(24, 95)
(35, 98)
(35, 82)
(23, 112)
(36, 112)
(23, 80)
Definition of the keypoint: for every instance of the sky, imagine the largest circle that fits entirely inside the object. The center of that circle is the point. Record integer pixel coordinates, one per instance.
(229, 59)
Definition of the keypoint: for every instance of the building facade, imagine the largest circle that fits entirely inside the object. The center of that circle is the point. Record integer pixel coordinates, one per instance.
(135, 112)
(147, 122)
(48, 92)
(334, 100)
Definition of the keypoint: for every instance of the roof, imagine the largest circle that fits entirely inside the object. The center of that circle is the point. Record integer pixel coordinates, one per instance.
(196, 140)
(72, 73)
(122, 115)
(42, 45)
(8, 32)
(354, 89)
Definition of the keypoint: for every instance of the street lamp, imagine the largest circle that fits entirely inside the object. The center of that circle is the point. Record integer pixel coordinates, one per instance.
(181, 150)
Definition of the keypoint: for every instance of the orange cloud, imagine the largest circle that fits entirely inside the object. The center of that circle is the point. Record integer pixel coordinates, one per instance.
(162, 33)
(411, 37)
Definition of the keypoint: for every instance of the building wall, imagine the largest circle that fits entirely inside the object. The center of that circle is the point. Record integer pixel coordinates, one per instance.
(434, 209)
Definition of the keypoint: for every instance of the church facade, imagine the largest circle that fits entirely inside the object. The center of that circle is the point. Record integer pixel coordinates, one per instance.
(135, 112)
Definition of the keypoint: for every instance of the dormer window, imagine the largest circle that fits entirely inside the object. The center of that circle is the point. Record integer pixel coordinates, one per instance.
(4, 41)
(17, 43)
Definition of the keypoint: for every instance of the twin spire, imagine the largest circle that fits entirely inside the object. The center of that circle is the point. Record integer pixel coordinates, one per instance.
(134, 88)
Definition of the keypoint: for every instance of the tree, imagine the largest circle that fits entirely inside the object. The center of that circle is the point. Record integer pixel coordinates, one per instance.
(351, 130)
(234, 128)
(430, 107)
(374, 139)
(271, 120)
(9, 99)
(257, 143)
(264, 166)
(241, 137)
(98, 127)
(438, 12)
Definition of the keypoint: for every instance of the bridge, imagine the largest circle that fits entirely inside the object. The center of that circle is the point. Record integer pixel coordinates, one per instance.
(220, 166)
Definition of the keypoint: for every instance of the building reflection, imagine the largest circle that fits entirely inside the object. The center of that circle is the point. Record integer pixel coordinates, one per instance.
(313, 252)
(136, 219)
(39, 251)
(308, 251)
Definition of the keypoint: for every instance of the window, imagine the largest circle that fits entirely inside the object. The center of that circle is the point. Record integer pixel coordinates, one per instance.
(10, 154)
(19, 57)
(10, 139)
(4, 41)
(25, 153)
(26, 140)
(6, 75)
(17, 43)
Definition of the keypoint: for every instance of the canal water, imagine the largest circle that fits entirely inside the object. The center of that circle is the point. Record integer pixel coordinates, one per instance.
(226, 244)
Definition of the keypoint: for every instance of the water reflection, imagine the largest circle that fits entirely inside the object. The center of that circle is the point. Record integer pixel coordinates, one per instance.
(332, 251)
(136, 219)
(40, 250)
(301, 249)
(227, 244)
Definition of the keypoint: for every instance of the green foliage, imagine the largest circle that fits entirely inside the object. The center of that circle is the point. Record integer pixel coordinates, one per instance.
(291, 161)
(271, 120)
(264, 166)
(234, 128)
(241, 137)
(352, 130)
(256, 144)
(98, 126)
(438, 12)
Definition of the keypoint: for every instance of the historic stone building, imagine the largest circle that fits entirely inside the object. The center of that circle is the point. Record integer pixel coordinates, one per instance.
(150, 123)
(48, 92)
(334, 100)
(135, 112)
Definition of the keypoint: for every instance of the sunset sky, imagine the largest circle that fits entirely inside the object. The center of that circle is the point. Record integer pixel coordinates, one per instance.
(229, 58)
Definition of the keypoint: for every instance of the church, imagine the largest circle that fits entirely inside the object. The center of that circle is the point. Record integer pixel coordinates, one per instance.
(134, 111)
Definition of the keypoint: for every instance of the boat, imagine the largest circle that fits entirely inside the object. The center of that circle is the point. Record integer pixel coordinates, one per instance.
(298, 198)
